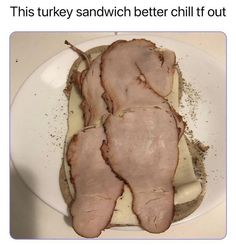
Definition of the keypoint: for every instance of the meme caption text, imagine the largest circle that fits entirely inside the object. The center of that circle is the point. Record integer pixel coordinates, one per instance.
(122, 12)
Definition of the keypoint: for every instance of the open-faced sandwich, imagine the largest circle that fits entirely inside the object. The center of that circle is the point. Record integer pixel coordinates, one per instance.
(127, 160)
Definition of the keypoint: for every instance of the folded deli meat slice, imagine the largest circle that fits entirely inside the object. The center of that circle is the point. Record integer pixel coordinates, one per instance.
(142, 148)
(143, 131)
(96, 186)
(130, 69)
(93, 106)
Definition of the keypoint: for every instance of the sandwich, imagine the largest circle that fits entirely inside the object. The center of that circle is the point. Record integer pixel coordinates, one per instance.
(127, 158)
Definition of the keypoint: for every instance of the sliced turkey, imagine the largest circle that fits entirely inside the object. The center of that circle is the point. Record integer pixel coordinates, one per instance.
(89, 84)
(96, 186)
(134, 72)
(143, 131)
(140, 141)
(142, 148)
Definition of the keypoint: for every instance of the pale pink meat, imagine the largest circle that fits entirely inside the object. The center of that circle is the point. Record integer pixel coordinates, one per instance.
(142, 148)
(134, 72)
(96, 186)
(93, 106)
(143, 131)
(139, 139)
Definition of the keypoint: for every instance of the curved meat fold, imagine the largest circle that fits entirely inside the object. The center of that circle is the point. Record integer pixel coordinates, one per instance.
(179, 122)
(89, 85)
(96, 186)
(79, 80)
(130, 69)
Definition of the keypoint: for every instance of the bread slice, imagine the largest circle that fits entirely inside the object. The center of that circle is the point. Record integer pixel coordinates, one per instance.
(188, 188)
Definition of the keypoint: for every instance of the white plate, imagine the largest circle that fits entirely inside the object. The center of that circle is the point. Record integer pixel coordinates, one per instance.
(39, 120)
